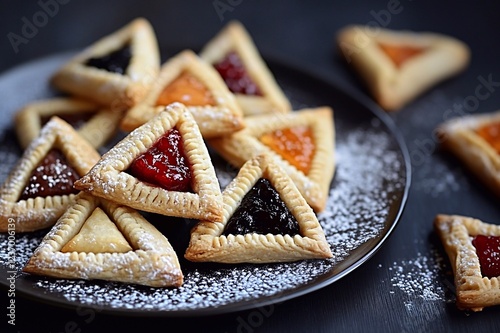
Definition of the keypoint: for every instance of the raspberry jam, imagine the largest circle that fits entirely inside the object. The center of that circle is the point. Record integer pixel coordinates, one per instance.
(399, 54)
(233, 72)
(53, 176)
(115, 62)
(295, 144)
(164, 164)
(186, 89)
(488, 251)
(491, 133)
(262, 211)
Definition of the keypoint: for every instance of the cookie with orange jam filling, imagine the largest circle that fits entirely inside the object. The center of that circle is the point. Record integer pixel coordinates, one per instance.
(188, 79)
(302, 142)
(398, 66)
(475, 141)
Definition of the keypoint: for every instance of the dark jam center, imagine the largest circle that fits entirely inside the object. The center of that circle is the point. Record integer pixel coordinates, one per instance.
(488, 251)
(115, 62)
(164, 164)
(233, 72)
(76, 120)
(262, 211)
(53, 176)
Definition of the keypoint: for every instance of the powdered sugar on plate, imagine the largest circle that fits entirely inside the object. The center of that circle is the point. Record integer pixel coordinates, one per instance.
(366, 192)
(357, 211)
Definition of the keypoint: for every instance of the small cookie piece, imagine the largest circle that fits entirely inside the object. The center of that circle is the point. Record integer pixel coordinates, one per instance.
(96, 239)
(475, 141)
(117, 70)
(40, 188)
(188, 79)
(233, 53)
(302, 142)
(398, 66)
(265, 220)
(160, 167)
(473, 248)
(94, 123)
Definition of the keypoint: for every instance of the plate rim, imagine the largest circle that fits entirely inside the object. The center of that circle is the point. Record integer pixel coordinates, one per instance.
(283, 296)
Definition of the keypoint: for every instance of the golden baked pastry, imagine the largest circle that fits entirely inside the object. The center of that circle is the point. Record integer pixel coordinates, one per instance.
(98, 235)
(475, 141)
(39, 188)
(473, 248)
(161, 167)
(121, 245)
(265, 220)
(302, 143)
(398, 66)
(233, 53)
(94, 123)
(117, 70)
(188, 79)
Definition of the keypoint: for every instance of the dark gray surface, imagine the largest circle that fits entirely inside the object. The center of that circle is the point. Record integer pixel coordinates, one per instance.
(407, 285)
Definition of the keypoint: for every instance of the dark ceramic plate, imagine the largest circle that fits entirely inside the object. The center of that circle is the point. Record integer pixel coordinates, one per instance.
(367, 197)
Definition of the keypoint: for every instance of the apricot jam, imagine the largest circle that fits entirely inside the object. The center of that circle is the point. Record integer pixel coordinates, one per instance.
(295, 144)
(399, 54)
(186, 89)
(491, 133)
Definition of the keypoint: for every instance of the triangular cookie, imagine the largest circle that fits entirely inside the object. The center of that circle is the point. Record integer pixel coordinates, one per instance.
(187, 79)
(161, 167)
(398, 66)
(117, 70)
(39, 189)
(309, 156)
(475, 141)
(93, 122)
(277, 201)
(142, 254)
(473, 248)
(233, 53)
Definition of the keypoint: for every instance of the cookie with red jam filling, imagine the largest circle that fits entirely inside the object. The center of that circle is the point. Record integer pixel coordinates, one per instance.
(238, 61)
(473, 248)
(162, 167)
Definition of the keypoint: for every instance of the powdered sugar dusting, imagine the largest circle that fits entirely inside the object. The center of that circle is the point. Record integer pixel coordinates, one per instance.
(357, 206)
(362, 192)
(418, 278)
(369, 182)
